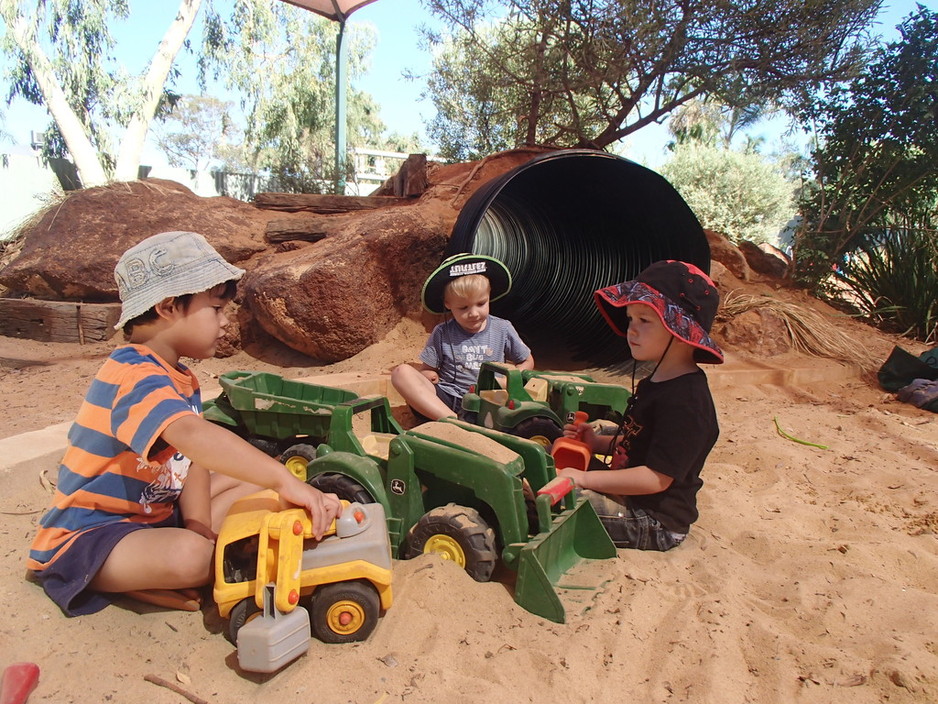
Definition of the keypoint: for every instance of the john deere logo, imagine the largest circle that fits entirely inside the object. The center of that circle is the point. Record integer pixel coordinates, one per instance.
(398, 487)
(466, 269)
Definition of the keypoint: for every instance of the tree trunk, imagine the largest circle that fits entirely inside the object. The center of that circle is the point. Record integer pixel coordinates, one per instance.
(131, 146)
(73, 131)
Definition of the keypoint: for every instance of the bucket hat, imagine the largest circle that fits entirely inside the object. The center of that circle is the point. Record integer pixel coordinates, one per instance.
(167, 265)
(462, 265)
(685, 299)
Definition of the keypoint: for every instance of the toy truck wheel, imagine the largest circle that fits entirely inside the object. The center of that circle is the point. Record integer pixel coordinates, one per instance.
(455, 533)
(344, 612)
(343, 487)
(296, 457)
(268, 447)
(241, 613)
(541, 430)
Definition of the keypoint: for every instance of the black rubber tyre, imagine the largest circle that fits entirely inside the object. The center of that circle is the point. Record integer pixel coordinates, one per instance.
(296, 457)
(541, 430)
(241, 613)
(455, 533)
(343, 487)
(268, 447)
(344, 612)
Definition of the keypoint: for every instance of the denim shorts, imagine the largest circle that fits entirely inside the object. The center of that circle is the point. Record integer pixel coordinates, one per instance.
(65, 581)
(631, 527)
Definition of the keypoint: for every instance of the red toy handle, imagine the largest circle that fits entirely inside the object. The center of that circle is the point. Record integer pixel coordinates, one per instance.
(19, 680)
(556, 488)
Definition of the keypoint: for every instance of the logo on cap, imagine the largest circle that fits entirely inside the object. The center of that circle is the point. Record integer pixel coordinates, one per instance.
(466, 269)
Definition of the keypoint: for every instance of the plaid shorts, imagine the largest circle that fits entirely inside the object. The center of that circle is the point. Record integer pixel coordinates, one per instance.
(631, 527)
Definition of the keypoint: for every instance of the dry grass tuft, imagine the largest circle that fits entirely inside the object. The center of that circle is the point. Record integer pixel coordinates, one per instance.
(809, 332)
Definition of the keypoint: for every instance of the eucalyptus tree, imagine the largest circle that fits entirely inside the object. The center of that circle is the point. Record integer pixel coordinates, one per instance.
(590, 72)
(63, 58)
(280, 61)
(876, 159)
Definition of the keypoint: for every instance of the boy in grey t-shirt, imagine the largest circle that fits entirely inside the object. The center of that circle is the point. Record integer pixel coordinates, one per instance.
(462, 285)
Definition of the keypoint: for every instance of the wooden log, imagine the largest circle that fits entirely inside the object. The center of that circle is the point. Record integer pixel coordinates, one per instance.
(58, 321)
(307, 228)
(321, 203)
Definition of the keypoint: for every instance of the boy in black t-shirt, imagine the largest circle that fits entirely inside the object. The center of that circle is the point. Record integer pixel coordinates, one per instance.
(647, 497)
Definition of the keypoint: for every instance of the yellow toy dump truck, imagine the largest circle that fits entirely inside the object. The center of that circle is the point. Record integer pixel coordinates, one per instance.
(464, 492)
(274, 582)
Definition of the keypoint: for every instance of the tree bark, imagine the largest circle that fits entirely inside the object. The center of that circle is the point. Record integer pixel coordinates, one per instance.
(131, 146)
(73, 131)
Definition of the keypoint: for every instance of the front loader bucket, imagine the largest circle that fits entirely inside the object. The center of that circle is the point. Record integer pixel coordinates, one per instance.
(551, 562)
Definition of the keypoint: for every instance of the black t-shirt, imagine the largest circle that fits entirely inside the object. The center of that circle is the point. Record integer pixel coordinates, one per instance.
(671, 428)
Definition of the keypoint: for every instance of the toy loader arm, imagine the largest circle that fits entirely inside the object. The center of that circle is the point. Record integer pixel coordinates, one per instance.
(280, 555)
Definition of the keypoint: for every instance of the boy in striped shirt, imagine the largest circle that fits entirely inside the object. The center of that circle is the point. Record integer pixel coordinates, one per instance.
(146, 481)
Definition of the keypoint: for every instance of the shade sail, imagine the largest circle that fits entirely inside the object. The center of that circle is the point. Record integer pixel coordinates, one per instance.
(335, 10)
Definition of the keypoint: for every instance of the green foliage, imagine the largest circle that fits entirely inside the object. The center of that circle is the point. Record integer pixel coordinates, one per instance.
(711, 123)
(290, 114)
(198, 130)
(892, 279)
(739, 194)
(478, 112)
(877, 158)
(589, 73)
(76, 37)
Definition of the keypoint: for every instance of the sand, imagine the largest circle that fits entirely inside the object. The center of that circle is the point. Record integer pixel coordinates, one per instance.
(811, 575)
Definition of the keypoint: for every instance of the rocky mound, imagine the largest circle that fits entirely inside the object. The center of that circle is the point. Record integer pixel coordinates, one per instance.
(328, 299)
(333, 295)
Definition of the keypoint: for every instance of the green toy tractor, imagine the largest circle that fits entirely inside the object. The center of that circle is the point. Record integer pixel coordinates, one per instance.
(464, 492)
(537, 404)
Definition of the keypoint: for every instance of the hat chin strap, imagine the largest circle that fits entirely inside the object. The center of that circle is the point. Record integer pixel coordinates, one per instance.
(632, 397)
(635, 364)
(663, 355)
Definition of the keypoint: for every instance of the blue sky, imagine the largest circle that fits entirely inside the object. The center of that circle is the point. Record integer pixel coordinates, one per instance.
(396, 23)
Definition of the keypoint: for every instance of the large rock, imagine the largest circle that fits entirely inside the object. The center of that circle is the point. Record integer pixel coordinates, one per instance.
(765, 259)
(70, 250)
(725, 252)
(334, 298)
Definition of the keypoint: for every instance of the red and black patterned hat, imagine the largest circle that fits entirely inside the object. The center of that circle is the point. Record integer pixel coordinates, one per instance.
(685, 299)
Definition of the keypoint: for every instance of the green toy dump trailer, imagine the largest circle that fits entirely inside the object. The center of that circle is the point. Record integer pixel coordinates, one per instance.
(282, 417)
(536, 404)
(462, 491)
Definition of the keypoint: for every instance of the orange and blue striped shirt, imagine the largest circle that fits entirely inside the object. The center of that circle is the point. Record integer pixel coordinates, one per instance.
(114, 468)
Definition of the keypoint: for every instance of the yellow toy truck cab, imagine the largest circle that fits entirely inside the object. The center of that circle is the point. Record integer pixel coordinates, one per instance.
(267, 563)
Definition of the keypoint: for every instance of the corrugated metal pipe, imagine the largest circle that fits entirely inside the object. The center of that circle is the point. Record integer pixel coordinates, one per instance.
(565, 224)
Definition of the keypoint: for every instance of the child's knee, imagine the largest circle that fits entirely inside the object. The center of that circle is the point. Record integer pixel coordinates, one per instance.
(399, 374)
(193, 560)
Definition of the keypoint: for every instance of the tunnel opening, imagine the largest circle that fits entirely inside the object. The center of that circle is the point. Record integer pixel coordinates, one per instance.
(565, 224)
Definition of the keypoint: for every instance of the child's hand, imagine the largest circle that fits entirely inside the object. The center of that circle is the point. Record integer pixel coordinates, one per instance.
(585, 433)
(323, 508)
(573, 474)
(432, 375)
(580, 431)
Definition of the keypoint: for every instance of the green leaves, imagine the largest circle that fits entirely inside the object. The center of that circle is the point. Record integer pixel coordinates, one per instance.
(526, 72)
(872, 206)
(893, 280)
(739, 194)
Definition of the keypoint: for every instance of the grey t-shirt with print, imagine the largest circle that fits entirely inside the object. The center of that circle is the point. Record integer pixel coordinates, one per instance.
(457, 354)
